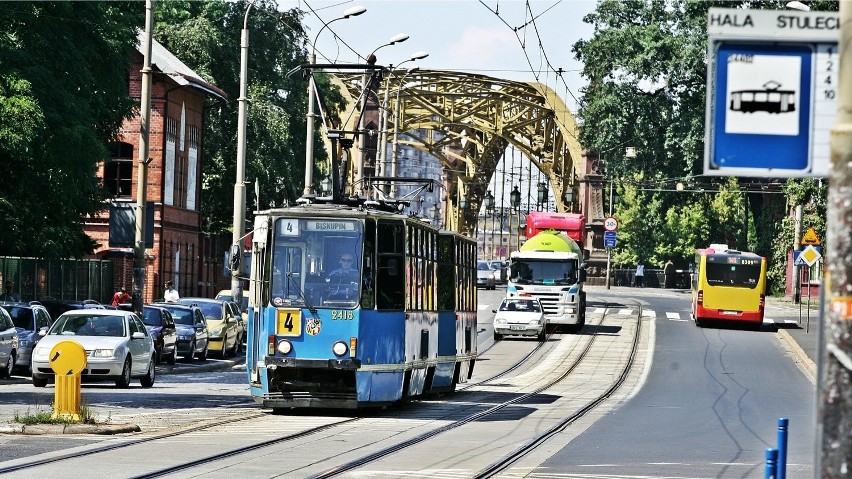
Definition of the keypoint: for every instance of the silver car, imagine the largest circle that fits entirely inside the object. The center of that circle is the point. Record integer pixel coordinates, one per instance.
(29, 319)
(118, 347)
(8, 344)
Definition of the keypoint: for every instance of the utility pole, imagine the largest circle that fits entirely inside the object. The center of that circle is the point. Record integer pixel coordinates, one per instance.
(142, 173)
(834, 407)
(797, 239)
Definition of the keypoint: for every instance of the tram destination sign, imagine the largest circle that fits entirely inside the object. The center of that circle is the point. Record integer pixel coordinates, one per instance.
(771, 92)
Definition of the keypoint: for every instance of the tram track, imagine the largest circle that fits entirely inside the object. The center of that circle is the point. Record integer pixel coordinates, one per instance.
(350, 423)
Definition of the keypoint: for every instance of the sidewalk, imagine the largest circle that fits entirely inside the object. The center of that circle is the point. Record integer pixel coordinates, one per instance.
(799, 327)
(106, 429)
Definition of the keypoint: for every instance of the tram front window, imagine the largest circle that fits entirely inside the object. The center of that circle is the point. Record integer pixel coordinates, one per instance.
(316, 263)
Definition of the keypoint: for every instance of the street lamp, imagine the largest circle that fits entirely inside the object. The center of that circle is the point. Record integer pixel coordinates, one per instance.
(515, 198)
(542, 193)
(325, 186)
(240, 184)
(309, 139)
(366, 83)
(489, 201)
(383, 136)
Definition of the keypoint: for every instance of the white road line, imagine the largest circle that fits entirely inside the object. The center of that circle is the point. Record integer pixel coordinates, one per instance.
(599, 310)
(648, 313)
(625, 311)
(674, 316)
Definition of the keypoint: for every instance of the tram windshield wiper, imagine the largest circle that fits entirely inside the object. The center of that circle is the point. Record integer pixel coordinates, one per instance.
(291, 281)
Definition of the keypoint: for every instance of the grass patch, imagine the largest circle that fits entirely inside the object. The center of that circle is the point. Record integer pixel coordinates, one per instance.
(87, 416)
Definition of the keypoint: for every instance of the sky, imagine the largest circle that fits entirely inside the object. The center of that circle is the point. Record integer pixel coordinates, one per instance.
(461, 35)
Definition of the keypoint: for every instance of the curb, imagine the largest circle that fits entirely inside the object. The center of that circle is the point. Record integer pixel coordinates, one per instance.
(802, 359)
(109, 429)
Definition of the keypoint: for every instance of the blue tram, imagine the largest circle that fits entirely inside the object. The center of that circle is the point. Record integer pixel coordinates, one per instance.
(397, 322)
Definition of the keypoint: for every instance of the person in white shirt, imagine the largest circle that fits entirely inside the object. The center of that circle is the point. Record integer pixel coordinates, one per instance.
(640, 275)
(171, 295)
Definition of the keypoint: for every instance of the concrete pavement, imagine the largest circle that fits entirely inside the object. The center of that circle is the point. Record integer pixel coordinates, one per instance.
(180, 367)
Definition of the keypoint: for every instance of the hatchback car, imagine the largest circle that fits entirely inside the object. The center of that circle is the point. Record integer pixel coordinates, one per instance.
(160, 325)
(8, 344)
(485, 277)
(501, 271)
(118, 347)
(224, 321)
(29, 319)
(191, 327)
(520, 317)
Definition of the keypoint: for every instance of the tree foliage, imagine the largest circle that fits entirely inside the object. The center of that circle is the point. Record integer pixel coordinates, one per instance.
(63, 96)
(646, 66)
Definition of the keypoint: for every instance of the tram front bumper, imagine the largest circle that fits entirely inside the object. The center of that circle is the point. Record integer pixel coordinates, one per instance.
(273, 362)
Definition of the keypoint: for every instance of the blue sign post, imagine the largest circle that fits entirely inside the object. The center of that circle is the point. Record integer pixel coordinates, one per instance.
(609, 239)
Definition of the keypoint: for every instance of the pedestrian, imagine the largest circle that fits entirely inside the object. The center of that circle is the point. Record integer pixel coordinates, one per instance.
(171, 295)
(121, 297)
(640, 276)
(9, 295)
(669, 273)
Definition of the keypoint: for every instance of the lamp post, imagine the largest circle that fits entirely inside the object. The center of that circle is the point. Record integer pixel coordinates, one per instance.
(383, 134)
(542, 193)
(515, 201)
(435, 213)
(629, 152)
(240, 183)
(309, 138)
(142, 174)
(366, 82)
(489, 206)
(325, 186)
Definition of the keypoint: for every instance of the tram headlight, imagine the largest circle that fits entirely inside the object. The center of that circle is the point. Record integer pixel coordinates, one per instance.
(284, 346)
(339, 348)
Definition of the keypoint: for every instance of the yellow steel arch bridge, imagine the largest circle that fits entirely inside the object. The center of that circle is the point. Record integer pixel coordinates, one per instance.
(469, 122)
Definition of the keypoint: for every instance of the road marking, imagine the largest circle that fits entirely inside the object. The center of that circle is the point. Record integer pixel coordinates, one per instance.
(648, 313)
(625, 311)
(600, 310)
(674, 316)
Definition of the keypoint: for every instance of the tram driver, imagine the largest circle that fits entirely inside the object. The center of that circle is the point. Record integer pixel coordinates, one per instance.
(343, 280)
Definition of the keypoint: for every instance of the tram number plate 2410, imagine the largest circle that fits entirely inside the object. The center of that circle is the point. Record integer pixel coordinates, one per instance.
(289, 322)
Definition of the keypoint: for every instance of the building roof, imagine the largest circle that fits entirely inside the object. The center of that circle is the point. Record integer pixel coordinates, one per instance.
(164, 61)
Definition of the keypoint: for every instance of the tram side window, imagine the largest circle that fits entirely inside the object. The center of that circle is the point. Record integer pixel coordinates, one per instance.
(446, 278)
(368, 278)
(390, 273)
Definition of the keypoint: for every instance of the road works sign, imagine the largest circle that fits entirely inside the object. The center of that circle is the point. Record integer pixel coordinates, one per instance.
(771, 92)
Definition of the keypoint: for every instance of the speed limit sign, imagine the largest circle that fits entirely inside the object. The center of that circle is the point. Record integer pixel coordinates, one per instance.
(610, 223)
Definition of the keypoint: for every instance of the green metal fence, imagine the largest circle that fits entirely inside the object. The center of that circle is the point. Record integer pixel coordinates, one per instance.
(79, 279)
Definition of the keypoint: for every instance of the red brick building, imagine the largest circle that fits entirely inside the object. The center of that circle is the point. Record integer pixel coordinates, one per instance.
(180, 251)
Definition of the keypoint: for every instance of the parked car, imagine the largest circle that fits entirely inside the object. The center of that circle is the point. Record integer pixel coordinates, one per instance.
(8, 344)
(117, 345)
(502, 271)
(225, 295)
(485, 275)
(160, 325)
(29, 319)
(519, 317)
(192, 331)
(55, 307)
(225, 323)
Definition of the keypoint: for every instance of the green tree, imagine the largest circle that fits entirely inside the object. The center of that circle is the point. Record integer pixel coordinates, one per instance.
(206, 36)
(646, 70)
(63, 96)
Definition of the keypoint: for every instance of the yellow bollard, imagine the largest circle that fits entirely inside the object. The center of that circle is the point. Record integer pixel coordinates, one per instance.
(67, 359)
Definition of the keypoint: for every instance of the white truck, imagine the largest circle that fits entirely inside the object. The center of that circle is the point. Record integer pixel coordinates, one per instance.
(549, 266)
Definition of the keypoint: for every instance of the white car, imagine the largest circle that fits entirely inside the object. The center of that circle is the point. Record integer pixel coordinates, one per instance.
(118, 347)
(520, 317)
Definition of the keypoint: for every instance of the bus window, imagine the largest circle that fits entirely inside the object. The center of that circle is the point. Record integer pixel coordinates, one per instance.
(724, 274)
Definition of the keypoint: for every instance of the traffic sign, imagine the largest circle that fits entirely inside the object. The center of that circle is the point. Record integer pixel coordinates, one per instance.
(810, 255)
(810, 238)
(610, 223)
(771, 92)
(610, 239)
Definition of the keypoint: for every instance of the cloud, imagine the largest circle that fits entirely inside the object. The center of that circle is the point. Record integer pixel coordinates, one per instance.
(483, 47)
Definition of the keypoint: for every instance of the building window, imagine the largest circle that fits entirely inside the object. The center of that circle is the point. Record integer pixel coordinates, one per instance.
(118, 171)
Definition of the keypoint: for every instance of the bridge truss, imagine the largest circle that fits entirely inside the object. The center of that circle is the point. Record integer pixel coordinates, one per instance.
(469, 122)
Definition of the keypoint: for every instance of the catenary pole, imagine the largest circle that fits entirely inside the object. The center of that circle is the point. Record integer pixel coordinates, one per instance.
(142, 172)
(834, 414)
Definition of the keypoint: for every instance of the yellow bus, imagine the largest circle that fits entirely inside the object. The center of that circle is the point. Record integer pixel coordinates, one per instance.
(728, 285)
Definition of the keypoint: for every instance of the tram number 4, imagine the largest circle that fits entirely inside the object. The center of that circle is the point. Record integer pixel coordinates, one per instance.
(289, 323)
(342, 315)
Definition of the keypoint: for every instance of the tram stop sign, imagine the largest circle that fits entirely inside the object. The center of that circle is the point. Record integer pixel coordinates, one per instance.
(771, 92)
